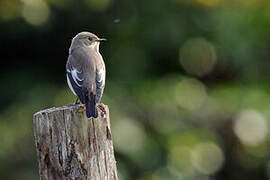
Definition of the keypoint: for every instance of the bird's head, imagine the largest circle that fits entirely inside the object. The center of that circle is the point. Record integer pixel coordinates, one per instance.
(87, 39)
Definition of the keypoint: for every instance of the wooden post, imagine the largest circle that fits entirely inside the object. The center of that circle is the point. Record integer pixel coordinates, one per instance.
(70, 146)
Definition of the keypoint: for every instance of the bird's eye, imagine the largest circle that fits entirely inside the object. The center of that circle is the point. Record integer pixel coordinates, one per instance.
(90, 39)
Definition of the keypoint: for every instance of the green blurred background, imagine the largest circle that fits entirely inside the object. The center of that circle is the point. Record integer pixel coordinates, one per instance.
(187, 83)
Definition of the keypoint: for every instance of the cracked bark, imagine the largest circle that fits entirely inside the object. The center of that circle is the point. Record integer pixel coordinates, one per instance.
(70, 146)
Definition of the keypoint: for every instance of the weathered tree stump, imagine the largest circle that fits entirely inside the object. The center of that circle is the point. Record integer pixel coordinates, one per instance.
(70, 146)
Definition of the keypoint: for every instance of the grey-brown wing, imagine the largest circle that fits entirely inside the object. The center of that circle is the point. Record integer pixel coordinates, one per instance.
(75, 78)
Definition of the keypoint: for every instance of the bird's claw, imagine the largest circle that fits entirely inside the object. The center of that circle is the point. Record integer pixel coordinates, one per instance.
(77, 101)
(102, 108)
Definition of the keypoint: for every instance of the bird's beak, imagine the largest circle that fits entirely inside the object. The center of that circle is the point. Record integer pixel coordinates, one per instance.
(101, 39)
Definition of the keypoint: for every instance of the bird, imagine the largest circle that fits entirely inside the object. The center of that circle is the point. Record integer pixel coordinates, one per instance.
(85, 71)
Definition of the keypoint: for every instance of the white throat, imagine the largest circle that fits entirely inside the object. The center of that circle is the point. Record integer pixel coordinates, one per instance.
(95, 46)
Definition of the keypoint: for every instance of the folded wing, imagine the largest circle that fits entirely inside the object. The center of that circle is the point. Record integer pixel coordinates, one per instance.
(75, 81)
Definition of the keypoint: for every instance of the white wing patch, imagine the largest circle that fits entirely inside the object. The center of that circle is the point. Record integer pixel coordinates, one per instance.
(74, 73)
(101, 77)
(100, 82)
(93, 45)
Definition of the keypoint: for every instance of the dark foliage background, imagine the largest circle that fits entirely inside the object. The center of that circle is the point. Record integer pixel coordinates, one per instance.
(187, 83)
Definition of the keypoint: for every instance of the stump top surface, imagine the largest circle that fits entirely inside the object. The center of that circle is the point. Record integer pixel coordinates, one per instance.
(53, 109)
(67, 107)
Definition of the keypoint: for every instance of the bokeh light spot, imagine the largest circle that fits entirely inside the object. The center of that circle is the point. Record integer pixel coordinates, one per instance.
(180, 158)
(190, 93)
(198, 56)
(35, 12)
(204, 3)
(128, 136)
(208, 3)
(251, 127)
(98, 5)
(9, 9)
(207, 158)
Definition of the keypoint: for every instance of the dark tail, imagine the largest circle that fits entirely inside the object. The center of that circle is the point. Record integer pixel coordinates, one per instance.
(91, 109)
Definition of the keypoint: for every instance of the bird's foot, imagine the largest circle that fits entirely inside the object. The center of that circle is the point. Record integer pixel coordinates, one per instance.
(102, 108)
(76, 102)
